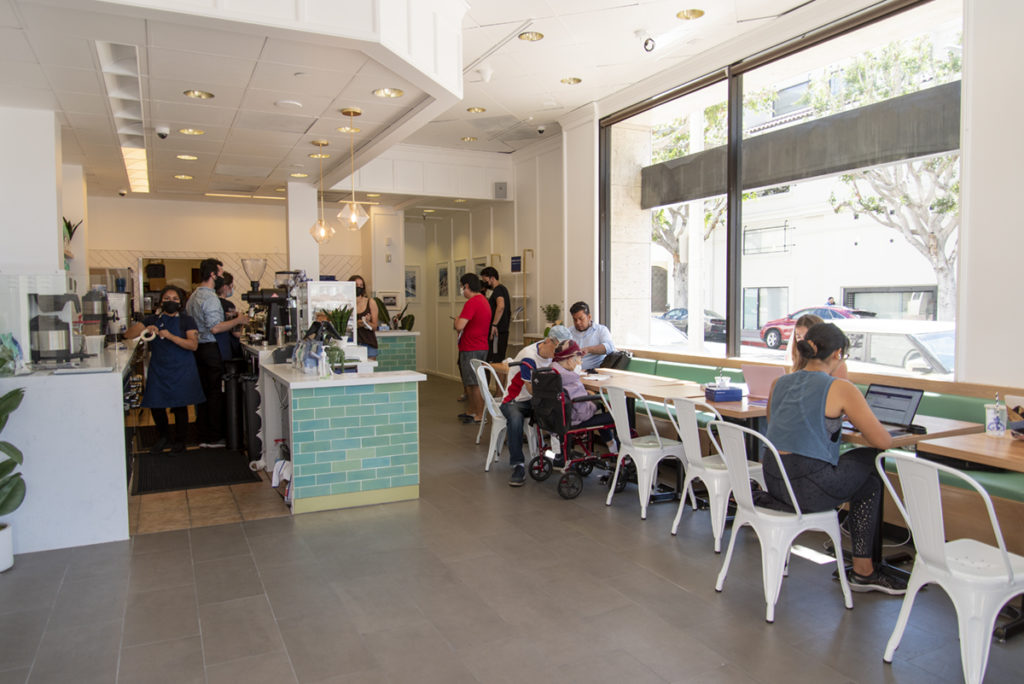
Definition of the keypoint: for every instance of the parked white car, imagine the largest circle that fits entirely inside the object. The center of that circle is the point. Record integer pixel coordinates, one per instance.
(914, 347)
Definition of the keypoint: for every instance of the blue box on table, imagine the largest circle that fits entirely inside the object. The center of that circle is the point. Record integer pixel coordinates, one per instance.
(723, 394)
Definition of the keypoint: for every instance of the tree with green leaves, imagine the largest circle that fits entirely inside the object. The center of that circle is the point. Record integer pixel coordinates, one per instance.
(919, 198)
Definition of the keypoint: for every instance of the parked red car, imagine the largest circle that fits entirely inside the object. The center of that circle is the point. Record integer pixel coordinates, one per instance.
(776, 333)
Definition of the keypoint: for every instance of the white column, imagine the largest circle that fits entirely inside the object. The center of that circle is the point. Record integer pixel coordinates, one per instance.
(31, 228)
(303, 211)
(74, 208)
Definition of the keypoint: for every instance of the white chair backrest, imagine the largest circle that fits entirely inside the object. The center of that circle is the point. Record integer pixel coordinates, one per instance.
(615, 399)
(733, 448)
(683, 414)
(921, 505)
(485, 371)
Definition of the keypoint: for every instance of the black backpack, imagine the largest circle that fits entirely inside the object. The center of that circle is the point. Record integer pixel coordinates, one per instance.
(617, 360)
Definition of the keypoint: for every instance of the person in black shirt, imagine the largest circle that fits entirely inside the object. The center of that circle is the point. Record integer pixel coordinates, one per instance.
(501, 314)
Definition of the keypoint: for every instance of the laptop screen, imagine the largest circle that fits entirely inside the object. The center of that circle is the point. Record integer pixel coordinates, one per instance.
(759, 379)
(893, 405)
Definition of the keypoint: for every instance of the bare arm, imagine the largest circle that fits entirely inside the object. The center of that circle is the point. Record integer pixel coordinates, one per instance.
(134, 330)
(229, 323)
(461, 323)
(844, 397)
(189, 342)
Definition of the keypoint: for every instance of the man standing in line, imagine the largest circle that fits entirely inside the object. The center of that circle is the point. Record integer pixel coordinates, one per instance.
(501, 314)
(594, 339)
(473, 324)
(516, 405)
(205, 307)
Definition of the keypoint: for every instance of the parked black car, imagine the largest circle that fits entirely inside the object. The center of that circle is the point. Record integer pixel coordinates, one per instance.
(714, 323)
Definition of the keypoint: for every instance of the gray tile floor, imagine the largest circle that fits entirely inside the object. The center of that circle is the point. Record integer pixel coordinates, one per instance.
(475, 582)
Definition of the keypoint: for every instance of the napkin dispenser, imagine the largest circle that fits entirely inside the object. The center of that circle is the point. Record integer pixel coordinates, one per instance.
(723, 394)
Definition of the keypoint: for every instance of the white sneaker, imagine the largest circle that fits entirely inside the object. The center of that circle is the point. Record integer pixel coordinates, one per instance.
(219, 444)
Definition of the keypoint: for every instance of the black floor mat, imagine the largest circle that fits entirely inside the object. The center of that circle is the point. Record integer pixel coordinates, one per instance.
(191, 469)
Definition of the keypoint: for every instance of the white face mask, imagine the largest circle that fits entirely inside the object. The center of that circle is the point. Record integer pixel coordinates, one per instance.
(578, 370)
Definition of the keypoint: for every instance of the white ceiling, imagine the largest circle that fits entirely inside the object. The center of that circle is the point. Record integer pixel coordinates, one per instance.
(48, 60)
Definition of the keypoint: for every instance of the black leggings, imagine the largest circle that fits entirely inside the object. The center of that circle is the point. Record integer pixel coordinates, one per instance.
(820, 486)
(180, 422)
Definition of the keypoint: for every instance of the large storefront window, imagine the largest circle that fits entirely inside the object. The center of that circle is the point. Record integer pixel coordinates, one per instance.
(850, 200)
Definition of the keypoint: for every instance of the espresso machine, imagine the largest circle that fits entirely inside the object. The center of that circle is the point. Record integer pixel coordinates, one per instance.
(50, 320)
(277, 303)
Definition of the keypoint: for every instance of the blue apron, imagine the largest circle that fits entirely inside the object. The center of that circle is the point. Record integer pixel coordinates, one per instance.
(173, 378)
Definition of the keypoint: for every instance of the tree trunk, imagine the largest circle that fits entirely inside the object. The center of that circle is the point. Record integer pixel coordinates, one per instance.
(945, 309)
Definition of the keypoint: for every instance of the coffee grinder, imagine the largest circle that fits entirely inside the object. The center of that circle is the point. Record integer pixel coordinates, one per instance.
(273, 300)
(50, 319)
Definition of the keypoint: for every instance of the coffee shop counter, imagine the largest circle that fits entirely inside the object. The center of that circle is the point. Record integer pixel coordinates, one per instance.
(70, 428)
(353, 438)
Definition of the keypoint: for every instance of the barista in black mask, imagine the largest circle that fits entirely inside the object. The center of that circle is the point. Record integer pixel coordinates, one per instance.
(367, 317)
(173, 379)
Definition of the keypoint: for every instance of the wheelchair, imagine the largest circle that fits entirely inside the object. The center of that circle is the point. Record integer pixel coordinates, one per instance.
(572, 447)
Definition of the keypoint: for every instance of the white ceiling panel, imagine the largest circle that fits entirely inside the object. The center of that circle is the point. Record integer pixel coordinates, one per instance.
(7, 16)
(83, 104)
(311, 55)
(22, 75)
(206, 41)
(183, 114)
(275, 122)
(229, 96)
(284, 77)
(486, 13)
(14, 45)
(66, 79)
(257, 139)
(264, 101)
(28, 98)
(179, 65)
(107, 23)
(67, 51)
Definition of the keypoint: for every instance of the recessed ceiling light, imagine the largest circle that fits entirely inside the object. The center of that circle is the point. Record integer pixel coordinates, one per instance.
(688, 14)
(468, 138)
(476, 110)
(387, 92)
(460, 201)
(348, 129)
(291, 104)
(191, 131)
(320, 155)
(183, 176)
(299, 174)
(531, 36)
(280, 189)
(571, 80)
(198, 94)
(429, 211)
(373, 194)
(187, 157)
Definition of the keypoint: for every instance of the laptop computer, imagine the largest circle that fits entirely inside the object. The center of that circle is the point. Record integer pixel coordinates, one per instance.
(759, 381)
(895, 407)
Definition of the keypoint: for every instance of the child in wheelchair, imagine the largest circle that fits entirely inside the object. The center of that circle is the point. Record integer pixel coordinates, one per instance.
(574, 420)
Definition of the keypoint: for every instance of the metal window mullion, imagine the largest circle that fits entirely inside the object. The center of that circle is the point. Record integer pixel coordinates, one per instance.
(734, 216)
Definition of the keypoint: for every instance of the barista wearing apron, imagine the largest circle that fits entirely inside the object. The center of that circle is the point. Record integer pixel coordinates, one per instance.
(173, 379)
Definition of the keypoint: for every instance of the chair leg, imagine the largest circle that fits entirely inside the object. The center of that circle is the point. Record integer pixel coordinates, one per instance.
(728, 555)
(718, 501)
(615, 477)
(494, 449)
(483, 421)
(644, 481)
(773, 556)
(687, 487)
(913, 586)
(840, 566)
(976, 618)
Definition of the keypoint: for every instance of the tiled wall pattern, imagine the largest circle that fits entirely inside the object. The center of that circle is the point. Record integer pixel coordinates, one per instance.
(354, 438)
(396, 352)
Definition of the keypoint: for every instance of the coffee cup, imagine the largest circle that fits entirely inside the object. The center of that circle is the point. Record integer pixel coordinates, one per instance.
(722, 381)
(995, 420)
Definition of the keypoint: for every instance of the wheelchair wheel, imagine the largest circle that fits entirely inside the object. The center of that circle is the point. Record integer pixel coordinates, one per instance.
(584, 468)
(626, 473)
(540, 468)
(570, 485)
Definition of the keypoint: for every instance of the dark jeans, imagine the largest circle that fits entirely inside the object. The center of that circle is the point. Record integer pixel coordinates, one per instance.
(602, 418)
(819, 486)
(163, 424)
(516, 413)
(210, 415)
(496, 353)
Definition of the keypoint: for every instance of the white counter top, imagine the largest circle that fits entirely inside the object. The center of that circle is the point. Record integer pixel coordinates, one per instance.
(110, 360)
(295, 379)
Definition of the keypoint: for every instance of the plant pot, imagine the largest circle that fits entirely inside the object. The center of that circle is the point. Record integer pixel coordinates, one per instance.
(6, 547)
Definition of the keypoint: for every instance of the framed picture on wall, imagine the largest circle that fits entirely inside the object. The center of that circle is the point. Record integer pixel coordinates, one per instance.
(390, 299)
(479, 264)
(442, 280)
(460, 270)
(412, 282)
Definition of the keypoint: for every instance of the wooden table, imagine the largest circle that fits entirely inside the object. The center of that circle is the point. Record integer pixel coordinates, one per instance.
(660, 388)
(977, 447)
(938, 428)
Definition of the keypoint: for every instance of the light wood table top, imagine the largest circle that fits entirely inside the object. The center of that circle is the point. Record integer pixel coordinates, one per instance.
(936, 427)
(660, 388)
(1001, 452)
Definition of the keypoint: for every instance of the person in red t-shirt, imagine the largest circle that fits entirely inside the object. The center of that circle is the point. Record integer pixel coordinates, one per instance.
(473, 324)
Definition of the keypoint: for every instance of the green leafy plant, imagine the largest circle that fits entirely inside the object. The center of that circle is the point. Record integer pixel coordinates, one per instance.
(402, 321)
(12, 485)
(382, 311)
(408, 321)
(339, 318)
(551, 312)
(70, 228)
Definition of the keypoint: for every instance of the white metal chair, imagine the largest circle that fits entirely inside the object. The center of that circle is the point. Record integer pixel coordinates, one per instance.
(646, 451)
(776, 530)
(979, 578)
(492, 406)
(484, 389)
(710, 470)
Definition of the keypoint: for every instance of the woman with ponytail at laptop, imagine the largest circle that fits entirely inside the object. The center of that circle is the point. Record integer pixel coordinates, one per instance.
(803, 324)
(805, 417)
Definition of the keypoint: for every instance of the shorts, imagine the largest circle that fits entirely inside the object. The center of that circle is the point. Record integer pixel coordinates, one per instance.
(469, 378)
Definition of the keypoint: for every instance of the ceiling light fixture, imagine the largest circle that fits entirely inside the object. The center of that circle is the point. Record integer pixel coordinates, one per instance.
(352, 214)
(572, 80)
(280, 189)
(383, 92)
(299, 174)
(320, 155)
(690, 14)
(187, 157)
(373, 194)
(476, 110)
(198, 94)
(429, 211)
(348, 129)
(183, 176)
(121, 77)
(531, 36)
(191, 131)
(460, 201)
(233, 195)
(321, 230)
(468, 138)
(291, 104)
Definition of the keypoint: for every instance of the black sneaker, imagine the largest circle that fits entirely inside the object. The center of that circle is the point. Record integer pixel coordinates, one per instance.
(178, 447)
(158, 446)
(518, 477)
(877, 581)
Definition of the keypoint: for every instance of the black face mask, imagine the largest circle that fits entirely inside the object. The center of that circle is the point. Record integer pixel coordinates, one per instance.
(360, 292)
(170, 307)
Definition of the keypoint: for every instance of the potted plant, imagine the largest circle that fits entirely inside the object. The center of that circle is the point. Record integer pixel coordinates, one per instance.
(69, 229)
(551, 313)
(339, 318)
(12, 485)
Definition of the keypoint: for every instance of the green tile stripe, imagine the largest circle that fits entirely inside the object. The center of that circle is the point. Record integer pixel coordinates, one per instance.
(396, 353)
(353, 438)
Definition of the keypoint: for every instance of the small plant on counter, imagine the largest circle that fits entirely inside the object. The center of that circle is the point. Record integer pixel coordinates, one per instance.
(339, 318)
(12, 485)
(551, 313)
(382, 311)
(70, 228)
(402, 321)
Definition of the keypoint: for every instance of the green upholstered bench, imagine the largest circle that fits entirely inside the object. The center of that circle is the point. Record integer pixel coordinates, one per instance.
(1008, 485)
(638, 365)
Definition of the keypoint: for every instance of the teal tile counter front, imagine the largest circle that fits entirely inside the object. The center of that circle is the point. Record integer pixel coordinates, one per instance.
(396, 350)
(355, 441)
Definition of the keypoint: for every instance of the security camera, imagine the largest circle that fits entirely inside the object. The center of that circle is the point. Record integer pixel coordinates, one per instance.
(541, 129)
(649, 45)
(162, 132)
(122, 192)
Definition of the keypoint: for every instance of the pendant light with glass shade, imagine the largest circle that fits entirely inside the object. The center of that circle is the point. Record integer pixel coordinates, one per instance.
(352, 213)
(321, 230)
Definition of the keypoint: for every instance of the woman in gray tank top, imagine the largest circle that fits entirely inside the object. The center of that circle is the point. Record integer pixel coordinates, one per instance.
(805, 415)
